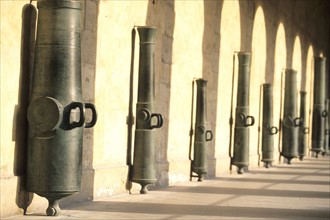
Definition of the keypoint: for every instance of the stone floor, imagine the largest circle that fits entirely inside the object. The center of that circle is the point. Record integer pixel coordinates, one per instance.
(297, 191)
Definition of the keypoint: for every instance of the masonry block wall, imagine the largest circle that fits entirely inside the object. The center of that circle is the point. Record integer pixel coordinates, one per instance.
(194, 39)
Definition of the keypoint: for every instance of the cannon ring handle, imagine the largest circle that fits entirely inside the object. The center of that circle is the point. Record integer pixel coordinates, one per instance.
(252, 121)
(297, 122)
(324, 113)
(81, 108)
(159, 118)
(94, 115)
(306, 130)
(327, 131)
(273, 130)
(208, 135)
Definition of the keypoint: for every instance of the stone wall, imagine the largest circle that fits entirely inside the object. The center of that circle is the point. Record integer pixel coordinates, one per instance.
(194, 39)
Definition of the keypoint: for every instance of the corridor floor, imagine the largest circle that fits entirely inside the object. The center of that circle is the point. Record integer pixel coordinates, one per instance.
(297, 191)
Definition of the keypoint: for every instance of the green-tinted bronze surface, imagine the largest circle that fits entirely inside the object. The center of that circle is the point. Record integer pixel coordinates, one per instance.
(242, 118)
(201, 135)
(303, 128)
(268, 130)
(144, 159)
(326, 126)
(319, 113)
(290, 120)
(56, 114)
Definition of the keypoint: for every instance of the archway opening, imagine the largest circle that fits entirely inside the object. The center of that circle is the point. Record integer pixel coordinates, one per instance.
(257, 78)
(186, 65)
(230, 31)
(280, 64)
(309, 88)
(297, 65)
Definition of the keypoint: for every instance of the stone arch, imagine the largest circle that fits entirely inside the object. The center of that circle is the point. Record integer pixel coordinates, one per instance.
(230, 32)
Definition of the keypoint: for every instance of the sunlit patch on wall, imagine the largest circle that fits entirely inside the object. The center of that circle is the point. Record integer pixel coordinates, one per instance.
(308, 87)
(279, 65)
(297, 65)
(258, 74)
(184, 70)
(296, 59)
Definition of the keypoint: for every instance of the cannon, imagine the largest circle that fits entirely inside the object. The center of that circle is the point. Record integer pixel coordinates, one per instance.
(242, 118)
(56, 113)
(319, 112)
(144, 157)
(290, 121)
(268, 130)
(303, 128)
(326, 130)
(201, 135)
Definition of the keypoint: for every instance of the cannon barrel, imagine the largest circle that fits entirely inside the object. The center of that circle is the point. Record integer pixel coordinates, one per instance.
(242, 118)
(326, 130)
(290, 121)
(144, 158)
(319, 112)
(303, 128)
(201, 135)
(268, 130)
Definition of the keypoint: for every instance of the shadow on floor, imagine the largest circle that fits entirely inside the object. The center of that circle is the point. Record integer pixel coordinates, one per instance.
(249, 192)
(200, 210)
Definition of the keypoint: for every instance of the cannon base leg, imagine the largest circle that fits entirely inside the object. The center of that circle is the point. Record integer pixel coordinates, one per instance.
(268, 164)
(53, 207)
(54, 201)
(144, 189)
(240, 170)
(144, 183)
(317, 151)
(200, 177)
(197, 172)
(289, 160)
